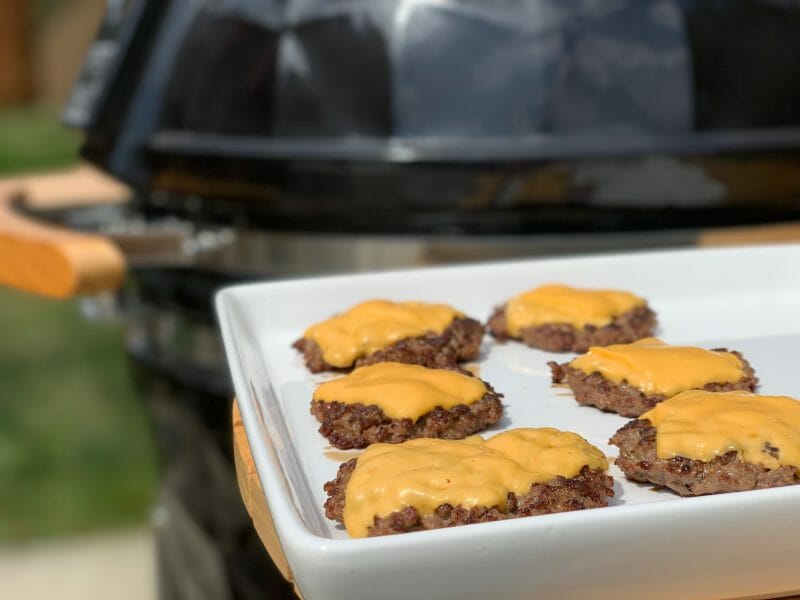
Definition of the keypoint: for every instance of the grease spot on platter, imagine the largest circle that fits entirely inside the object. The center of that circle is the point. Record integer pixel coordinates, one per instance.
(340, 456)
(473, 368)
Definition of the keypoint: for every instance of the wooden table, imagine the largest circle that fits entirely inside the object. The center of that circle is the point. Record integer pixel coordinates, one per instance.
(253, 497)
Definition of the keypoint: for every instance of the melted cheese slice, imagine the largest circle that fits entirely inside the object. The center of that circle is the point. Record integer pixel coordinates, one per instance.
(702, 425)
(373, 325)
(554, 303)
(427, 473)
(403, 391)
(656, 368)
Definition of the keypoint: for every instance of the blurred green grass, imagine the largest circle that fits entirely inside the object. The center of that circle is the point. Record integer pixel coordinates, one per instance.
(75, 446)
(76, 452)
(32, 139)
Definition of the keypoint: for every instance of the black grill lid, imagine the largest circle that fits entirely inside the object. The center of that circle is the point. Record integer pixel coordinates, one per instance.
(237, 99)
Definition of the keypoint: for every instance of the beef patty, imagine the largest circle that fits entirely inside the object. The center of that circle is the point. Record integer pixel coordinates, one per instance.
(357, 426)
(637, 323)
(591, 488)
(726, 473)
(595, 390)
(461, 341)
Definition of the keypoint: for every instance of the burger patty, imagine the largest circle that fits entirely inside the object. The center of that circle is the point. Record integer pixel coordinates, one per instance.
(589, 489)
(461, 341)
(358, 425)
(726, 473)
(595, 390)
(637, 323)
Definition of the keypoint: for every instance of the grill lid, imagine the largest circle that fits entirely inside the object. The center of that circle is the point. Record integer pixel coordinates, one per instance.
(312, 106)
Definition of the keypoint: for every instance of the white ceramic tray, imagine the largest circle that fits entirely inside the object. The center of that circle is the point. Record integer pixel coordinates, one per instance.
(646, 543)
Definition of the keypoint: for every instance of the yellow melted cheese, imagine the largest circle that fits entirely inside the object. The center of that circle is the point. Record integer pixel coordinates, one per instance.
(373, 325)
(563, 304)
(656, 368)
(702, 425)
(427, 473)
(403, 391)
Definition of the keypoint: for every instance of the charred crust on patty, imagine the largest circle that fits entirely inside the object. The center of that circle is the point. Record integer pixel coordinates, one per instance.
(459, 342)
(357, 425)
(591, 488)
(635, 324)
(594, 389)
(687, 477)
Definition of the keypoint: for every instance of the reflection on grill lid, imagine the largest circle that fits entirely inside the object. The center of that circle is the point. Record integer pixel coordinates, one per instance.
(269, 99)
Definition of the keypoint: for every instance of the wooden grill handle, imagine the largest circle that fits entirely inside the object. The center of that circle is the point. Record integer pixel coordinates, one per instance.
(777, 233)
(53, 261)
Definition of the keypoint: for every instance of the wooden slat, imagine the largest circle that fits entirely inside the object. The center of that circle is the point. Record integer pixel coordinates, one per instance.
(16, 56)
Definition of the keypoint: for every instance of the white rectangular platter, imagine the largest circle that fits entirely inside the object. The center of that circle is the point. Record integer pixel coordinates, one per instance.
(647, 543)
